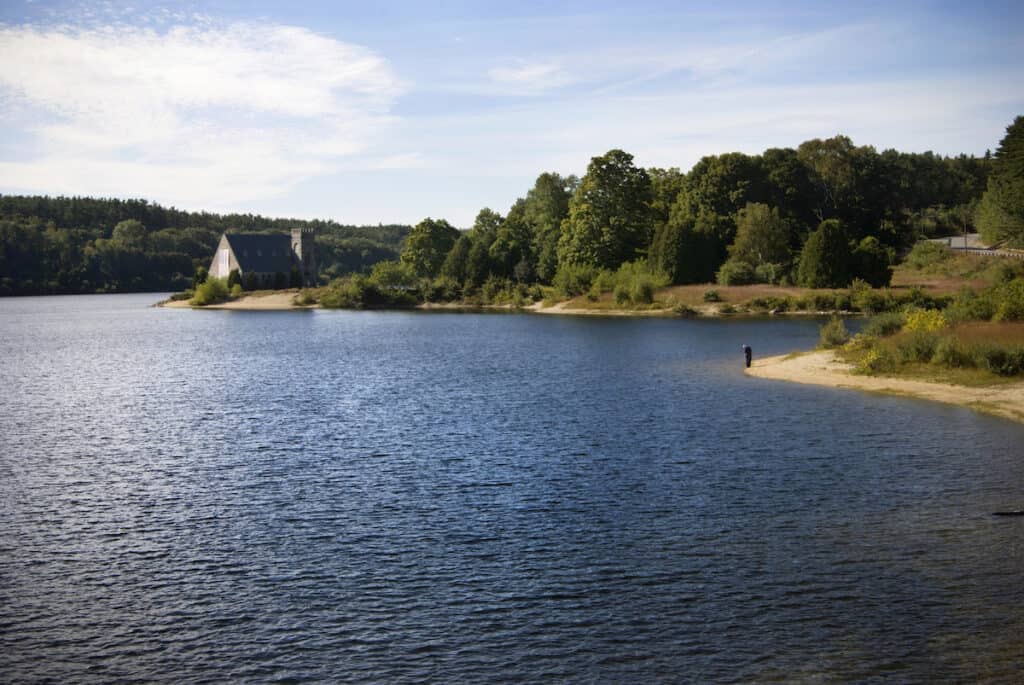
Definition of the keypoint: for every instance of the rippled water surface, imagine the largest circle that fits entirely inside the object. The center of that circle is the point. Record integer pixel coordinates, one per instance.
(406, 497)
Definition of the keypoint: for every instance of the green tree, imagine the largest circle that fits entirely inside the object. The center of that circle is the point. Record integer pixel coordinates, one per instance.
(130, 234)
(687, 248)
(724, 184)
(427, 245)
(1001, 213)
(871, 262)
(831, 162)
(762, 236)
(512, 241)
(457, 260)
(609, 217)
(825, 261)
(547, 206)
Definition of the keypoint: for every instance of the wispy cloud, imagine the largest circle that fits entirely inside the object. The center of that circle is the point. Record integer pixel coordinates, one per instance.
(202, 114)
(529, 78)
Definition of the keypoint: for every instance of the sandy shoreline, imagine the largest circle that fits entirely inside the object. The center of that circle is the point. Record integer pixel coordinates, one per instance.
(284, 301)
(822, 368)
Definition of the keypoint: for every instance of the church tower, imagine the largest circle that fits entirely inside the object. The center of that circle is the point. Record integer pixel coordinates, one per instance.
(305, 254)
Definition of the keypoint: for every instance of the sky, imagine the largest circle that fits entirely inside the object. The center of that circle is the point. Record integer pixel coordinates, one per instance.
(390, 112)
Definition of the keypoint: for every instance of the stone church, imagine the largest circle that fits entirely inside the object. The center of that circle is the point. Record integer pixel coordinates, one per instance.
(264, 258)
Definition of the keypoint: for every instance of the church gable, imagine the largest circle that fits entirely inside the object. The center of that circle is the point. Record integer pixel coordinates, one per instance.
(264, 255)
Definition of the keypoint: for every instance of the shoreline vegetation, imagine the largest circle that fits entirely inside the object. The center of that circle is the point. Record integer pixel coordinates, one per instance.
(826, 368)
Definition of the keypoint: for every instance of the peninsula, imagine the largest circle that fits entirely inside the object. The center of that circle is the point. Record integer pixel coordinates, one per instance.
(824, 368)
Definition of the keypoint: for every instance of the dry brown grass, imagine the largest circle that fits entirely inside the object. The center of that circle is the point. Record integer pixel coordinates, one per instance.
(733, 294)
(1005, 333)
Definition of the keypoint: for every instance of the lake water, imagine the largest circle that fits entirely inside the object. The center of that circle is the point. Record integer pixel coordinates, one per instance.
(420, 497)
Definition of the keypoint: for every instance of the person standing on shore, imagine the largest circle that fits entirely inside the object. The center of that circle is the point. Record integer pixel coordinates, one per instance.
(748, 353)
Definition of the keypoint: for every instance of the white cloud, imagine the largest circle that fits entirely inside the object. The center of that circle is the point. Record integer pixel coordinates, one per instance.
(529, 78)
(201, 115)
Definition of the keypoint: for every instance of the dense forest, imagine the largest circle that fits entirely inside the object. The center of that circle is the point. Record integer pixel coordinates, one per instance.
(820, 215)
(85, 245)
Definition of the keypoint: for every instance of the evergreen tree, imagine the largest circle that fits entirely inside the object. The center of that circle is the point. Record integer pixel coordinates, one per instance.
(1001, 213)
(826, 258)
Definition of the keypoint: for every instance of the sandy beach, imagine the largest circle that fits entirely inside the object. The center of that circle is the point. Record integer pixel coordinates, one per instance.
(822, 368)
(280, 301)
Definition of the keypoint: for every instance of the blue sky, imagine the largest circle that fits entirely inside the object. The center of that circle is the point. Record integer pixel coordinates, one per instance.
(368, 112)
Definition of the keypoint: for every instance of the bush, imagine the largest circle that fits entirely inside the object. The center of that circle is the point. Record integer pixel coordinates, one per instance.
(236, 290)
(778, 304)
(877, 360)
(642, 291)
(866, 299)
(969, 306)
(924, 320)
(211, 291)
(442, 289)
(305, 298)
(1010, 301)
(833, 334)
(1001, 361)
(234, 278)
(736, 272)
(621, 294)
(770, 272)
(927, 254)
(882, 325)
(951, 353)
(711, 295)
(573, 279)
(918, 346)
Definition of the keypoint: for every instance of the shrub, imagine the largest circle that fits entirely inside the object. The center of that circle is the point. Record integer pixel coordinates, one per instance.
(305, 298)
(184, 295)
(211, 291)
(574, 279)
(736, 272)
(951, 353)
(866, 299)
(621, 294)
(236, 290)
(877, 360)
(769, 272)
(234, 278)
(969, 306)
(684, 310)
(1010, 301)
(833, 334)
(1001, 361)
(442, 289)
(925, 321)
(927, 254)
(642, 291)
(711, 295)
(918, 346)
(200, 276)
(885, 324)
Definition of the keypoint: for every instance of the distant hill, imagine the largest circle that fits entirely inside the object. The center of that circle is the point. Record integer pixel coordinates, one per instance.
(85, 245)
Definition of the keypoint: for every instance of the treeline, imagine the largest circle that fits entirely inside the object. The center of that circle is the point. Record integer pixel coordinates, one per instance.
(820, 215)
(79, 245)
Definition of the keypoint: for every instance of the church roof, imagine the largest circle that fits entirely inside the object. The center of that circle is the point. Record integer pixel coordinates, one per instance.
(262, 252)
